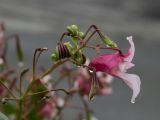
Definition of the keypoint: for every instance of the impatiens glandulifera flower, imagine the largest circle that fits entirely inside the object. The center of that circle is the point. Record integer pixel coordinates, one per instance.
(83, 83)
(117, 64)
(46, 110)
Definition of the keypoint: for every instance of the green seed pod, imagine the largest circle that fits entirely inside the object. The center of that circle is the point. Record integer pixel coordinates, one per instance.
(110, 43)
(94, 87)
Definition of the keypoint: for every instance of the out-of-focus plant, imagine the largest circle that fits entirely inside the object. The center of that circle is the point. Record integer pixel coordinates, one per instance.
(37, 98)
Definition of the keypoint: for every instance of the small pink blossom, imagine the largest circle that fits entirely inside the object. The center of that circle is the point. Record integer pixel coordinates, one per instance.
(46, 110)
(117, 64)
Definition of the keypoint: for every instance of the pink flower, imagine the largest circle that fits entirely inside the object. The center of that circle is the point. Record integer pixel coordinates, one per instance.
(84, 80)
(117, 64)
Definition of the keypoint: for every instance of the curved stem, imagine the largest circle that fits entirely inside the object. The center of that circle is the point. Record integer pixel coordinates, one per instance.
(36, 58)
(88, 116)
(53, 67)
(46, 91)
(92, 26)
(108, 48)
(21, 78)
(64, 34)
(87, 40)
(16, 99)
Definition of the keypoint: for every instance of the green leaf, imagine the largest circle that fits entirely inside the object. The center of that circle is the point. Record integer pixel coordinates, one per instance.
(34, 116)
(38, 97)
(3, 117)
(9, 109)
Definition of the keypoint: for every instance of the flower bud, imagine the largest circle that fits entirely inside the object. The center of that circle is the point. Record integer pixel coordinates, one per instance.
(80, 34)
(54, 56)
(73, 30)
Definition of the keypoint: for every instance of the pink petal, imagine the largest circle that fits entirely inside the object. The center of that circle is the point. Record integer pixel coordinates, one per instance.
(106, 91)
(133, 81)
(131, 50)
(105, 63)
(124, 66)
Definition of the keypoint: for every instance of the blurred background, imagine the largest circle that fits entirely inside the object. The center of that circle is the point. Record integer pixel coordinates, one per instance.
(40, 23)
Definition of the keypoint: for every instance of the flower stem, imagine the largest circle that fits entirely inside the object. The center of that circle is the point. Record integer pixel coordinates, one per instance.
(53, 67)
(88, 116)
(8, 89)
(45, 91)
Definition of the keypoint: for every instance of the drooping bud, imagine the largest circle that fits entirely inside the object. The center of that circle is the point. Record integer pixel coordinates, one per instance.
(80, 34)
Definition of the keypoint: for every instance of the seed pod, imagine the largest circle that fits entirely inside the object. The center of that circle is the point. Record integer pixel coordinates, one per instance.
(94, 86)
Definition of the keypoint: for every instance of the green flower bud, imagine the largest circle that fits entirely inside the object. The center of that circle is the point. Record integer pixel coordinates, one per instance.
(55, 56)
(69, 29)
(80, 34)
(110, 43)
(70, 48)
(73, 29)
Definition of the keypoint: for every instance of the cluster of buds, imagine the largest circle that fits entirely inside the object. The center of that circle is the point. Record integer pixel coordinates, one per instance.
(115, 64)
